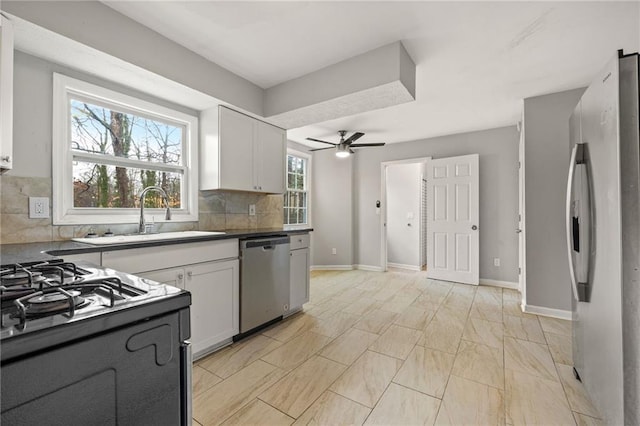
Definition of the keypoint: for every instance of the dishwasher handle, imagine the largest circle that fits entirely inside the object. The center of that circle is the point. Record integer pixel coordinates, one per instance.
(264, 243)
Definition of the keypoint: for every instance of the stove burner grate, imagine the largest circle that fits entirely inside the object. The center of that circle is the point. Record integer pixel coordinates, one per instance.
(60, 299)
(47, 303)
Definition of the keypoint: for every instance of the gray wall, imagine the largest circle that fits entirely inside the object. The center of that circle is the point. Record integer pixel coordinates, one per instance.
(498, 150)
(32, 111)
(332, 209)
(404, 182)
(100, 27)
(31, 175)
(547, 152)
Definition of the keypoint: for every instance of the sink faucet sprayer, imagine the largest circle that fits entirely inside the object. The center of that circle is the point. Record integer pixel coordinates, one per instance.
(142, 227)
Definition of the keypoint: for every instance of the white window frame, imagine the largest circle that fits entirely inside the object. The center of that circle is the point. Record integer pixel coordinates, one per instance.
(308, 158)
(64, 213)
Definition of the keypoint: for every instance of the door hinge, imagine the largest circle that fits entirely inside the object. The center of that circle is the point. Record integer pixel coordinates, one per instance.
(519, 271)
(519, 164)
(519, 218)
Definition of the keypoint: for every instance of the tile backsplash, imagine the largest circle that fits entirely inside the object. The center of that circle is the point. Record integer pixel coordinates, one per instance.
(218, 210)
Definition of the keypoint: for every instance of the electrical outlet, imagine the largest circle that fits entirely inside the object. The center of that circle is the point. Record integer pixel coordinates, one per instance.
(496, 261)
(38, 207)
(334, 251)
(252, 209)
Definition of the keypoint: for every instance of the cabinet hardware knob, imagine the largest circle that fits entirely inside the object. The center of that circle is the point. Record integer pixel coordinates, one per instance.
(6, 158)
(180, 276)
(474, 227)
(260, 187)
(190, 274)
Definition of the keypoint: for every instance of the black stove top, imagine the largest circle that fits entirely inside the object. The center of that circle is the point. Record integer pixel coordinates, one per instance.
(45, 303)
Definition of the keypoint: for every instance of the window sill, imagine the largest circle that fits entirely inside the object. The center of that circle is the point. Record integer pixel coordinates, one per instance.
(296, 226)
(122, 217)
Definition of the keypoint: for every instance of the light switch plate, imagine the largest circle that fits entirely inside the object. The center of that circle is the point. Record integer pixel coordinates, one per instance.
(38, 207)
(252, 209)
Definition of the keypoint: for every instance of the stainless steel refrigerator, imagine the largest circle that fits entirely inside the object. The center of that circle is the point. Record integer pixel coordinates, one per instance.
(603, 240)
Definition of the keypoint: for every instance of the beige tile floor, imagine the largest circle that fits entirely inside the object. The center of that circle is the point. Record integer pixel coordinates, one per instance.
(397, 348)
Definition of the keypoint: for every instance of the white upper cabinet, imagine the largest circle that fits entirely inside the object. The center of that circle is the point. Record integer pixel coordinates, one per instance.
(236, 134)
(241, 153)
(6, 94)
(270, 158)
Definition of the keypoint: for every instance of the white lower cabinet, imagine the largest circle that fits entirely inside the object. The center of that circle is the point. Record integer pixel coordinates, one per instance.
(299, 275)
(299, 278)
(214, 283)
(215, 298)
(170, 276)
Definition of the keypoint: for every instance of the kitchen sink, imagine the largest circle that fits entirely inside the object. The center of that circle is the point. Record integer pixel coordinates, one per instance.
(134, 238)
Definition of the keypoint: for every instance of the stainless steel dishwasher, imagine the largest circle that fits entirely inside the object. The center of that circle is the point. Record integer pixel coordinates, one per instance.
(264, 281)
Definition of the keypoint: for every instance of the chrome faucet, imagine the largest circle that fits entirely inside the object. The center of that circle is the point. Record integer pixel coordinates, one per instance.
(142, 229)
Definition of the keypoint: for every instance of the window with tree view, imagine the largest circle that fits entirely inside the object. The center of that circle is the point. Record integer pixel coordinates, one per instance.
(296, 197)
(117, 154)
(109, 146)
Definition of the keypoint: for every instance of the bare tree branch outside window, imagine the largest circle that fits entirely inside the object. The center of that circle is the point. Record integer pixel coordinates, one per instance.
(110, 133)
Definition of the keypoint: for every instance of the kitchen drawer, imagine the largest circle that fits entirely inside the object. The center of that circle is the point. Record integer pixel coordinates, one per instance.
(299, 241)
(169, 256)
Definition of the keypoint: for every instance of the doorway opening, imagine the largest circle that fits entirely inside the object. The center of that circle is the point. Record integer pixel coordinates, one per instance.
(404, 214)
(430, 217)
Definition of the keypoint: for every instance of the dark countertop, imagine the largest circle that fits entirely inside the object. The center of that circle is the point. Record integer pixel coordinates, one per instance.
(49, 250)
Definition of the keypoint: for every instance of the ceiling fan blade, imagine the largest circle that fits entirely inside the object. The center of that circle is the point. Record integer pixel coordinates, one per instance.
(354, 137)
(318, 140)
(359, 145)
(320, 149)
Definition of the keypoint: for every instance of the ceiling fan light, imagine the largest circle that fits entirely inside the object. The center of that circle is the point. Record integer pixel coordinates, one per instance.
(342, 154)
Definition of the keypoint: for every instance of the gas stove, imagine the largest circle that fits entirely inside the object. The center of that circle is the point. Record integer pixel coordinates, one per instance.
(56, 294)
(115, 344)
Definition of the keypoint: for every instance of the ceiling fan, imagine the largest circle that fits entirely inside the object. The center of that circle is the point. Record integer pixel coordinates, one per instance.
(343, 148)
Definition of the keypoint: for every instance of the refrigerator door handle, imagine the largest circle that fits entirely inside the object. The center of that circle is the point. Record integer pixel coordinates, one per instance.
(569, 221)
(578, 222)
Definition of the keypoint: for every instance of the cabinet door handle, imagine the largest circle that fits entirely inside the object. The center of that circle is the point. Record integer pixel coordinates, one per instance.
(180, 276)
(190, 274)
(6, 158)
(260, 188)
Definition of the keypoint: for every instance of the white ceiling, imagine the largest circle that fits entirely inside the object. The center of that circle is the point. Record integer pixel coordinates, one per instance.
(475, 61)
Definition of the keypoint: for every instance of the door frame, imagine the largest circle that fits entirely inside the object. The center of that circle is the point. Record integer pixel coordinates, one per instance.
(522, 235)
(383, 205)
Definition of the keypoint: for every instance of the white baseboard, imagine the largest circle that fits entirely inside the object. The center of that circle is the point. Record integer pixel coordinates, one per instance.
(496, 283)
(403, 266)
(548, 312)
(331, 267)
(368, 268)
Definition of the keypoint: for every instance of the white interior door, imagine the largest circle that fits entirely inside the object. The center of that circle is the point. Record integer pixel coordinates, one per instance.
(452, 219)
